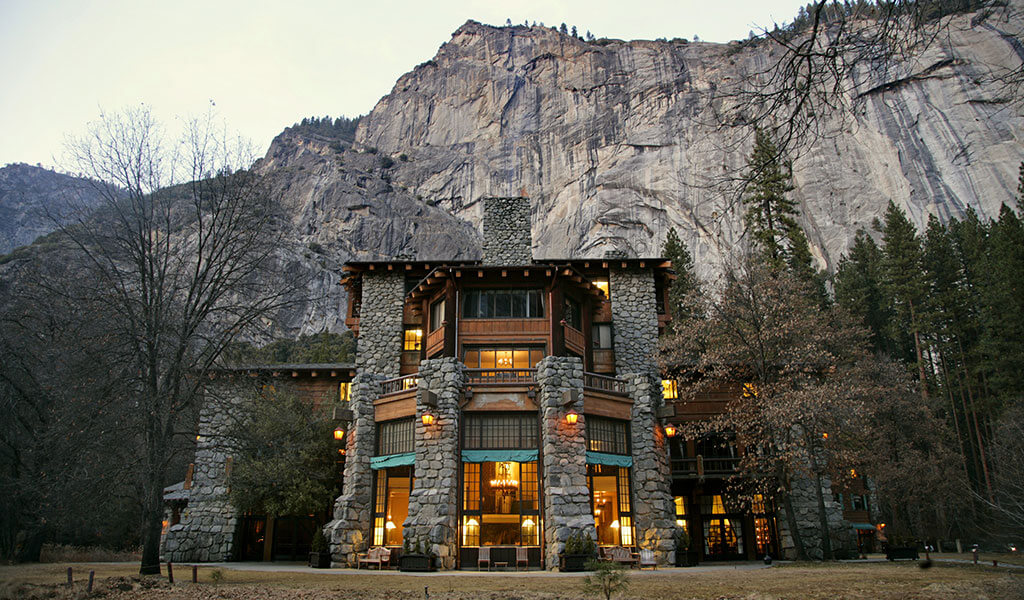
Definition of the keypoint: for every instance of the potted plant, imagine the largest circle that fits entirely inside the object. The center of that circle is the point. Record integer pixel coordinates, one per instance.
(320, 555)
(579, 548)
(417, 557)
(682, 543)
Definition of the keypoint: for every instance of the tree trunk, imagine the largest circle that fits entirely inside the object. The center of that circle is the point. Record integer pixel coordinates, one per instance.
(917, 349)
(826, 532)
(32, 548)
(787, 503)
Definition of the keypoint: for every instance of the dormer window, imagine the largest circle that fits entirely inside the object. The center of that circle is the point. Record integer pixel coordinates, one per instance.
(503, 304)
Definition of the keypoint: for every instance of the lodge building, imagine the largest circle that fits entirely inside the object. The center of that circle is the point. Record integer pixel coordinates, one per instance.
(500, 404)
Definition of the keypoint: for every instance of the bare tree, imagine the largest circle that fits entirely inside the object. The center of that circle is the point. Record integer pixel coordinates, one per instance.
(182, 252)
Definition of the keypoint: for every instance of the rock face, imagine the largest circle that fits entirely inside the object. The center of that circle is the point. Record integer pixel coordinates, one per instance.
(615, 142)
(33, 200)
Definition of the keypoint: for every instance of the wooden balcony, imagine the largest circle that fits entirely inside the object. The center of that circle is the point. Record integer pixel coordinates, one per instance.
(606, 397)
(501, 376)
(487, 331)
(574, 339)
(704, 468)
(435, 340)
(604, 361)
(397, 398)
(611, 385)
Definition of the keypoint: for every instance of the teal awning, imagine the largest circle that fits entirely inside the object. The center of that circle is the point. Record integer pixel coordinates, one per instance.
(866, 526)
(479, 456)
(612, 460)
(393, 460)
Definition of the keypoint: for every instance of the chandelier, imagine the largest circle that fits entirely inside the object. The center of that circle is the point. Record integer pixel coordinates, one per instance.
(503, 480)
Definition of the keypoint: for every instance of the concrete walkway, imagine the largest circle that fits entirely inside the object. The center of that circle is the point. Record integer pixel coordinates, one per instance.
(295, 567)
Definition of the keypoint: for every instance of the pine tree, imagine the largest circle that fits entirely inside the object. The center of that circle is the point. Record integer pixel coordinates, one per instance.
(684, 291)
(858, 289)
(770, 216)
(904, 285)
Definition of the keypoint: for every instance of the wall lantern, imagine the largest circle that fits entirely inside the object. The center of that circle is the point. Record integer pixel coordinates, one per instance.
(428, 418)
(571, 417)
(339, 433)
(670, 430)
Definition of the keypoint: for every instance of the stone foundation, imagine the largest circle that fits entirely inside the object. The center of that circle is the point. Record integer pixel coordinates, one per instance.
(433, 503)
(566, 493)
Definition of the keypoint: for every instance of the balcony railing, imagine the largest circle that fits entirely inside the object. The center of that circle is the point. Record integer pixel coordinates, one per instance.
(604, 383)
(399, 384)
(501, 376)
(700, 467)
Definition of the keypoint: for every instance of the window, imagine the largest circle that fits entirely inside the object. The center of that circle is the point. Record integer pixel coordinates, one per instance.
(572, 314)
(436, 315)
(413, 340)
(860, 502)
(391, 505)
(396, 437)
(602, 284)
(601, 335)
(669, 389)
(607, 435)
(500, 504)
(503, 304)
(500, 431)
(344, 391)
(610, 502)
(503, 357)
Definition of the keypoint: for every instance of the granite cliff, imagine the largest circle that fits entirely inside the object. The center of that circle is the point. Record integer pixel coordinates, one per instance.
(616, 141)
(33, 200)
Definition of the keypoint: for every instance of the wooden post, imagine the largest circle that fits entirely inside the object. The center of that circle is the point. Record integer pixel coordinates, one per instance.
(195, 574)
(451, 318)
(70, 580)
(170, 572)
(88, 588)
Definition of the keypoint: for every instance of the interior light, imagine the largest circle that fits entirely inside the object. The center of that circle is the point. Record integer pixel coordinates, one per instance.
(680, 523)
(473, 523)
(615, 524)
(528, 522)
(389, 525)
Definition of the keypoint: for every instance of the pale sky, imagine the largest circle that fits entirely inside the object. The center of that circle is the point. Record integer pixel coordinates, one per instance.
(265, 65)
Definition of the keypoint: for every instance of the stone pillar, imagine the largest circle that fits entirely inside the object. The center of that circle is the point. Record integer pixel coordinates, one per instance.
(634, 318)
(653, 509)
(349, 532)
(566, 494)
(380, 323)
(507, 232)
(433, 503)
(206, 532)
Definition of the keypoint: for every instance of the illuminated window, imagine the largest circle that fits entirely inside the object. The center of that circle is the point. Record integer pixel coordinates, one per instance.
(391, 505)
(602, 284)
(609, 496)
(749, 390)
(413, 339)
(503, 304)
(508, 357)
(500, 504)
(607, 435)
(344, 391)
(669, 389)
(680, 504)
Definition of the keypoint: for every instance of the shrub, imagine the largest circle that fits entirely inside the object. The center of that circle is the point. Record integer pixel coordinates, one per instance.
(607, 579)
(319, 543)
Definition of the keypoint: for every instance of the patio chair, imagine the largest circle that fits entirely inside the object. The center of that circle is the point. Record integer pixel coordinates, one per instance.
(484, 557)
(522, 557)
(647, 559)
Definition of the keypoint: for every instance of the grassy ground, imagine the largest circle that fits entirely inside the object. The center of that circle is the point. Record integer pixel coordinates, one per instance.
(900, 581)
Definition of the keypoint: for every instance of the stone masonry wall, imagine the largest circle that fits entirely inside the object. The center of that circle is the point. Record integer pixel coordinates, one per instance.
(380, 323)
(634, 319)
(653, 509)
(566, 494)
(433, 503)
(207, 529)
(805, 506)
(348, 533)
(507, 226)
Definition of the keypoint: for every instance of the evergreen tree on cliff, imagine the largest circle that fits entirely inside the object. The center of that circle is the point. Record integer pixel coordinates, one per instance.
(684, 291)
(770, 214)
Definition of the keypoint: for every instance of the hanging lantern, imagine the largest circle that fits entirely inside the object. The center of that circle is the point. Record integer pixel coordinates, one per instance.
(428, 419)
(571, 417)
(670, 430)
(339, 433)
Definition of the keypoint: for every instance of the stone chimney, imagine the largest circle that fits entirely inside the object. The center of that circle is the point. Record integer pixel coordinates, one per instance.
(507, 237)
